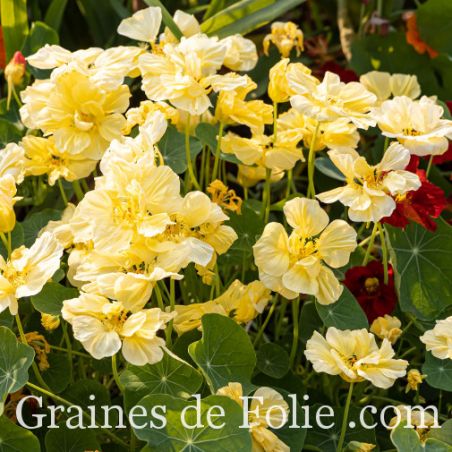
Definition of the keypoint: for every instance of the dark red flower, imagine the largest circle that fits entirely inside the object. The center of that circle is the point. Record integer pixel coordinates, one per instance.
(346, 75)
(367, 285)
(419, 206)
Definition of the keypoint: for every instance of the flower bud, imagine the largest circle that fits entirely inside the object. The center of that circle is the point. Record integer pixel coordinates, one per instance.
(50, 322)
(15, 69)
(414, 378)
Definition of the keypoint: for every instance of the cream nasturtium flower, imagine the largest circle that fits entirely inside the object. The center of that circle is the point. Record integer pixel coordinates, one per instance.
(355, 356)
(387, 327)
(248, 176)
(371, 189)
(384, 85)
(285, 36)
(82, 117)
(43, 157)
(242, 302)
(185, 73)
(333, 99)
(416, 124)
(105, 327)
(27, 270)
(268, 409)
(263, 150)
(438, 340)
(295, 263)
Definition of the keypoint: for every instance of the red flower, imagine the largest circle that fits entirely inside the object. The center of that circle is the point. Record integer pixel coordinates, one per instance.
(419, 206)
(367, 285)
(346, 75)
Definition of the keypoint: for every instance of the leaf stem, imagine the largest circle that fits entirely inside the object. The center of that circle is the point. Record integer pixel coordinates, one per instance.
(311, 163)
(217, 152)
(384, 250)
(191, 173)
(114, 366)
(371, 244)
(295, 340)
(429, 166)
(63, 193)
(265, 322)
(78, 190)
(345, 418)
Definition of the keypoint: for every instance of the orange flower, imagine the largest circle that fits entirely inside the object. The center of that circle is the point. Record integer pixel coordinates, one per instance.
(413, 37)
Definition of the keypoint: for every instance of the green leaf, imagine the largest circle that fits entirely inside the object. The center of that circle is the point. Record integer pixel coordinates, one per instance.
(50, 299)
(423, 272)
(15, 360)
(14, 25)
(175, 437)
(273, 360)
(54, 13)
(167, 18)
(433, 21)
(444, 433)
(14, 438)
(170, 376)
(248, 226)
(326, 439)
(245, 16)
(406, 439)
(224, 353)
(36, 221)
(56, 376)
(17, 239)
(63, 439)
(326, 166)
(9, 132)
(438, 371)
(172, 147)
(345, 314)
(40, 34)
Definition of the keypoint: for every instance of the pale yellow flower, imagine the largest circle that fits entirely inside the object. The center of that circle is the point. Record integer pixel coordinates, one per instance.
(387, 327)
(185, 73)
(104, 328)
(82, 117)
(263, 150)
(232, 108)
(295, 263)
(249, 176)
(333, 99)
(438, 340)
(285, 36)
(385, 85)
(143, 25)
(287, 79)
(44, 158)
(27, 270)
(370, 190)
(339, 134)
(8, 191)
(355, 356)
(241, 53)
(242, 302)
(61, 229)
(267, 409)
(421, 420)
(146, 110)
(416, 124)
(12, 162)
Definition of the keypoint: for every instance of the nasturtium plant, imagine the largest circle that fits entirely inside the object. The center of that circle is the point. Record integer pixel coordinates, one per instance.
(234, 214)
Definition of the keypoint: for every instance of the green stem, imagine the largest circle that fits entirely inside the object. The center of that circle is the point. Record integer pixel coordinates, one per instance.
(267, 195)
(371, 244)
(311, 163)
(281, 315)
(429, 166)
(289, 182)
(63, 193)
(48, 393)
(78, 190)
(114, 366)
(345, 419)
(295, 340)
(265, 322)
(384, 250)
(34, 366)
(275, 124)
(69, 350)
(5, 243)
(191, 173)
(217, 152)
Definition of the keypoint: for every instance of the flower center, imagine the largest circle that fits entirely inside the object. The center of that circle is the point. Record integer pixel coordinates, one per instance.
(409, 131)
(371, 285)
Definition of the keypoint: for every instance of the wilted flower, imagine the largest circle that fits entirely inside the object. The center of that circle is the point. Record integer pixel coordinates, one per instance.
(387, 327)
(371, 189)
(355, 356)
(438, 340)
(224, 197)
(414, 379)
(295, 263)
(285, 36)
